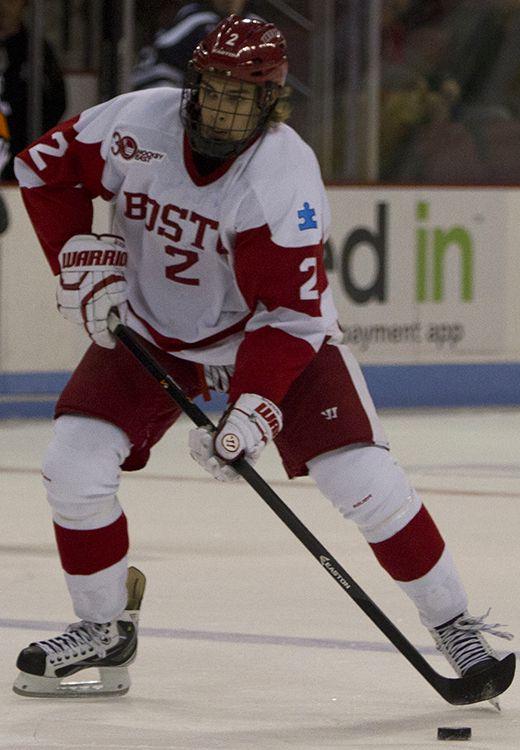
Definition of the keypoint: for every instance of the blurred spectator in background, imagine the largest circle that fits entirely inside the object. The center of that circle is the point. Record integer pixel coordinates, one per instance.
(14, 73)
(407, 104)
(419, 36)
(414, 93)
(451, 91)
(4, 158)
(163, 63)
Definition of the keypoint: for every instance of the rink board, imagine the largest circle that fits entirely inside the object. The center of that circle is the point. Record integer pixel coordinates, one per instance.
(33, 395)
(425, 280)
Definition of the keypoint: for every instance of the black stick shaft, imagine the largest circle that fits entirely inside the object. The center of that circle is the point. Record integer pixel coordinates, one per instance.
(450, 689)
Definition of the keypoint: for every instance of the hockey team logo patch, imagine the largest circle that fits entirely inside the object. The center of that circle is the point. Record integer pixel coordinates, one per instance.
(127, 148)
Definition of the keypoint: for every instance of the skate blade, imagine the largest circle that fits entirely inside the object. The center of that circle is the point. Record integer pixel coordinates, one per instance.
(112, 681)
(495, 703)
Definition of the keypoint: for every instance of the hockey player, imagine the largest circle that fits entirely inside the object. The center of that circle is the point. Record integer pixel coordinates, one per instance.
(215, 260)
(164, 61)
(15, 40)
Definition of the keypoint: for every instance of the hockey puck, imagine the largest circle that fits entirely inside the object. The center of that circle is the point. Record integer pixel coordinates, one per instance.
(454, 733)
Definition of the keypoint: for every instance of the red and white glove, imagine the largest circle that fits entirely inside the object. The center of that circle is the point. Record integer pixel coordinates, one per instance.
(92, 282)
(244, 430)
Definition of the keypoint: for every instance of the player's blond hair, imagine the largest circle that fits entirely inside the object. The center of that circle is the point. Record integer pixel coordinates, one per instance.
(282, 109)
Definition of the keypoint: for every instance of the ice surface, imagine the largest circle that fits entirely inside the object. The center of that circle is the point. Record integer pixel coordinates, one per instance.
(245, 641)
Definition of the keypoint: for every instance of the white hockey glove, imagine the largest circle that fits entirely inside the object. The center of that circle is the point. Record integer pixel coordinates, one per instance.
(92, 282)
(244, 430)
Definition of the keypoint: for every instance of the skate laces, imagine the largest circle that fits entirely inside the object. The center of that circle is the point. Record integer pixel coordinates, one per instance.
(79, 639)
(472, 624)
(462, 642)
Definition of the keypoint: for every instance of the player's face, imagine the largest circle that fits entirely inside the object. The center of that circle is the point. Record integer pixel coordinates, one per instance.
(228, 108)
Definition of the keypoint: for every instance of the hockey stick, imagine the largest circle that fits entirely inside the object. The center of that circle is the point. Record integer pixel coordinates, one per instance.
(458, 691)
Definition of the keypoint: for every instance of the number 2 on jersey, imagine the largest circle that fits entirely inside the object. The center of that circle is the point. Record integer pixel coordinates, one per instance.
(308, 288)
(172, 272)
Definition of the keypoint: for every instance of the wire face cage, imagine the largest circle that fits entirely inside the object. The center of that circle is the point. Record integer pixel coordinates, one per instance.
(221, 114)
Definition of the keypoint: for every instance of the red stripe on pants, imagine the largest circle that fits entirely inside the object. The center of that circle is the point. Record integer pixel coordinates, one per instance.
(85, 552)
(413, 551)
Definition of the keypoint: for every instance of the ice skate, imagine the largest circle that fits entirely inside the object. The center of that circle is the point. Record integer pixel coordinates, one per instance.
(46, 665)
(461, 641)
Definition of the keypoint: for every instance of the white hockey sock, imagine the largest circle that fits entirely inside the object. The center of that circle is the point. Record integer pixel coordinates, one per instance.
(368, 486)
(81, 475)
(102, 596)
(439, 595)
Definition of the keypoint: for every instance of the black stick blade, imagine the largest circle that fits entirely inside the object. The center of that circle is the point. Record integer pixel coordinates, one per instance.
(479, 687)
(461, 691)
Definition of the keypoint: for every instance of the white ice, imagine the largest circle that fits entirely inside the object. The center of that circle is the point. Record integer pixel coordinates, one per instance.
(245, 641)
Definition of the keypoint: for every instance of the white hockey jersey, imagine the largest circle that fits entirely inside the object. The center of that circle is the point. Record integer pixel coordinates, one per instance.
(224, 268)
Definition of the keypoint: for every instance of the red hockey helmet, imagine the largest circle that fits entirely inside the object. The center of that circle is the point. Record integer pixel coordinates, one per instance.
(245, 48)
(249, 51)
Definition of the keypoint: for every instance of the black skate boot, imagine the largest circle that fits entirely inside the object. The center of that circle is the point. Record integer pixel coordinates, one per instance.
(110, 647)
(461, 641)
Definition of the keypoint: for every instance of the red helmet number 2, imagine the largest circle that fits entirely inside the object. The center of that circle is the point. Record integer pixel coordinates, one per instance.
(232, 40)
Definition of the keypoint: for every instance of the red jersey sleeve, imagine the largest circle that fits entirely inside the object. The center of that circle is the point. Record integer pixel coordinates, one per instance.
(63, 171)
(281, 224)
(285, 287)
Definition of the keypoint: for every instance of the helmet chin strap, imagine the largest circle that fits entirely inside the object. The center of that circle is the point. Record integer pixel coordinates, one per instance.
(217, 149)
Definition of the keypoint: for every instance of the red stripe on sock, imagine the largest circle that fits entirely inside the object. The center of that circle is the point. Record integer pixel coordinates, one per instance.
(85, 552)
(413, 551)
